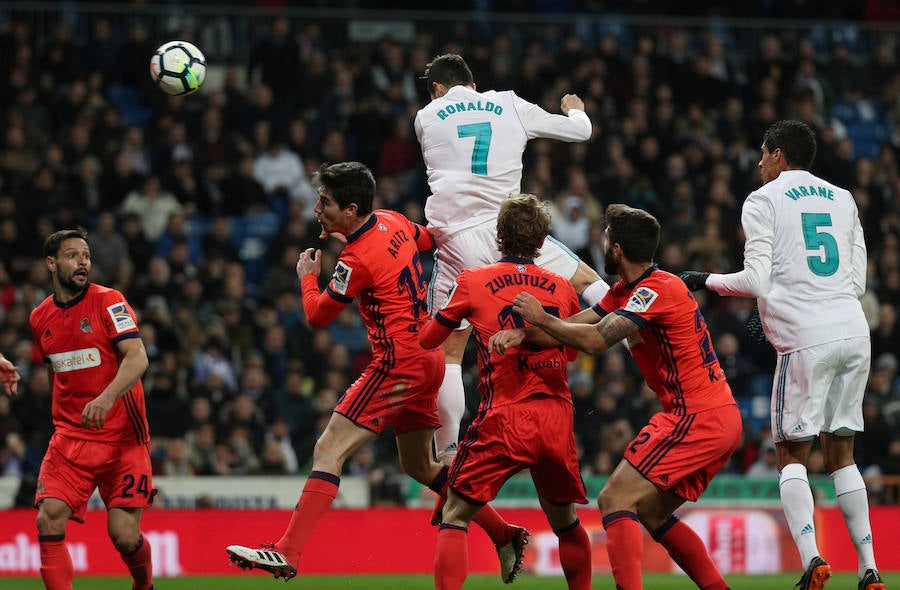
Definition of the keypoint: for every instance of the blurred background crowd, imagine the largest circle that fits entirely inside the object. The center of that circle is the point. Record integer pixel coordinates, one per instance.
(197, 206)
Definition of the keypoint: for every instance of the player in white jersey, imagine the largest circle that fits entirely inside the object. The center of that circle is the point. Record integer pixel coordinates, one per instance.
(805, 262)
(472, 143)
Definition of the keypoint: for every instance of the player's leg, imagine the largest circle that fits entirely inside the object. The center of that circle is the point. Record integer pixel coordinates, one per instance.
(574, 543)
(799, 399)
(56, 563)
(618, 502)
(843, 418)
(340, 440)
(124, 528)
(683, 544)
(451, 396)
(852, 497)
(451, 555)
(64, 487)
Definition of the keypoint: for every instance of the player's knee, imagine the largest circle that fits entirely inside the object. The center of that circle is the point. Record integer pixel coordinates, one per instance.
(124, 539)
(420, 469)
(51, 519)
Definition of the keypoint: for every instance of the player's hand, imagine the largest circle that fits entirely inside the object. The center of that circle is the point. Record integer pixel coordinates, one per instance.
(9, 375)
(570, 101)
(755, 329)
(506, 339)
(310, 263)
(95, 412)
(526, 305)
(694, 280)
(335, 234)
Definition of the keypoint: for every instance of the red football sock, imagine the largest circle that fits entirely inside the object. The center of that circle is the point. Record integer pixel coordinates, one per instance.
(575, 555)
(625, 547)
(140, 565)
(451, 558)
(56, 563)
(500, 531)
(317, 496)
(687, 550)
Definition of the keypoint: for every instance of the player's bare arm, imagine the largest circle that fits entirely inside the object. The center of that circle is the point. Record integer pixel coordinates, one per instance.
(134, 363)
(614, 328)
(506, 339)
(584, 337)
(9, 375)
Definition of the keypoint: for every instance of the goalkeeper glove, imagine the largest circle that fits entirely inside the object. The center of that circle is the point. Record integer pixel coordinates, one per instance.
(694, 280)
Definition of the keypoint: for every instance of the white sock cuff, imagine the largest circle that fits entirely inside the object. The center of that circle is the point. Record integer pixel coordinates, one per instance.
(594, 292)
(452, 368)
(847, 479)
(793, 471)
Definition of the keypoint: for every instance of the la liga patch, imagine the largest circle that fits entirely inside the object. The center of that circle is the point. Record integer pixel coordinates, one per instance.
(641, 300)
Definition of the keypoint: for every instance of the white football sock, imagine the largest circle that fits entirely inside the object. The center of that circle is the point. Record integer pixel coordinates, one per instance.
(594, 292)
(853, 499)
(798, 505)
(451, 407)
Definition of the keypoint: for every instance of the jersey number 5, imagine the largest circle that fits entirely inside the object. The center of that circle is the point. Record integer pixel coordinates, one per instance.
(482, 134)
(825, 262)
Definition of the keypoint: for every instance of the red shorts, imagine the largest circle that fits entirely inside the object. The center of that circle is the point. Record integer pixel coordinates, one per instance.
(73, 468)
(401, 394)
(681, 454)
(535, 433)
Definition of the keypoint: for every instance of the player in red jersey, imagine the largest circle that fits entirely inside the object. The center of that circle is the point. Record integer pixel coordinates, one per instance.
(89, 338)
(379, 265)
(525, 419)
(674, 457)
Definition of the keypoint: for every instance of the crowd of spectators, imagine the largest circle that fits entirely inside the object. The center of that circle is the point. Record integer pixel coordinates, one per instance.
(197, 207)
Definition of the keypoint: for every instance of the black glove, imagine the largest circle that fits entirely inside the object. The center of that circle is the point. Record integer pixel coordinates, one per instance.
(694, 280)
(755, 329)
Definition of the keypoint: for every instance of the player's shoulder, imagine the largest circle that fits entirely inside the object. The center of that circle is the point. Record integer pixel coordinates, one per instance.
(42, 308)
(103, 293)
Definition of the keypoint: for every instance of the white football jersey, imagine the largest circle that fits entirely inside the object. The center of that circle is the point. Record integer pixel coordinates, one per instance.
(805, 260)
(472, 143)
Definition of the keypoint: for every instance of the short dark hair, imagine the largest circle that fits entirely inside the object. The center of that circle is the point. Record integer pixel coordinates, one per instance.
(348, 183)
(55, 240)
(522, 225)
(634, 230)
(796, 140)
(449, 69)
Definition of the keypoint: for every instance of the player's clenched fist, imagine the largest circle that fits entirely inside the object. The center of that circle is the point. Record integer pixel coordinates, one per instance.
(95, 411)
(505, 339)
(310, 262)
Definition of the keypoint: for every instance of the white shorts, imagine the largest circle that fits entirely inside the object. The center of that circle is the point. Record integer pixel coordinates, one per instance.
(820, 389)
(477, 246)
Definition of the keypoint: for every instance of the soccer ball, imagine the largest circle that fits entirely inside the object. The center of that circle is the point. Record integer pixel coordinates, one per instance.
(178, 67)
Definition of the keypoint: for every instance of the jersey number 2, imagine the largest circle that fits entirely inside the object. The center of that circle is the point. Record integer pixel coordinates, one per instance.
(482, 134)
(824, 263)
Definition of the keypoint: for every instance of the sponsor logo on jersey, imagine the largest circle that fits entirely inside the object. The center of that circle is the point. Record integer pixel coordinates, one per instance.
(341, 278)
(85, 325)
(75, 360)
(641, 300)
(122, 320)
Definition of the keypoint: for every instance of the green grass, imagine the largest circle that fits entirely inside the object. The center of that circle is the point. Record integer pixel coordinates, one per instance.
(526, 582)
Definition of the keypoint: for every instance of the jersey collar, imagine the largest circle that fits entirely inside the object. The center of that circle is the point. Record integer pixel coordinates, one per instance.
(517, 260)
(369, 224)
(73, 302)
(646, 274)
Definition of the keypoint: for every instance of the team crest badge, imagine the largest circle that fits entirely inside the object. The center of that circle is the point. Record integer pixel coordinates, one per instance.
(520, 267)
(85, 325)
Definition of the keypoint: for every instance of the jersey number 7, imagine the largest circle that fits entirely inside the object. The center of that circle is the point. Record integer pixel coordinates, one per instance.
(482, 134)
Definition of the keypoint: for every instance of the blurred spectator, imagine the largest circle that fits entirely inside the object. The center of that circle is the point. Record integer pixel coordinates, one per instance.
(153, 205)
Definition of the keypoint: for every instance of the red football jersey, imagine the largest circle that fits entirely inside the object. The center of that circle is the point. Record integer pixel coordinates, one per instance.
(673, 350)
(380, 265)
(484, 296)
(78, 340)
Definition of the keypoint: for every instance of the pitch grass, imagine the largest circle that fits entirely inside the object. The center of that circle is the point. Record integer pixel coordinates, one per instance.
(526, 582)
